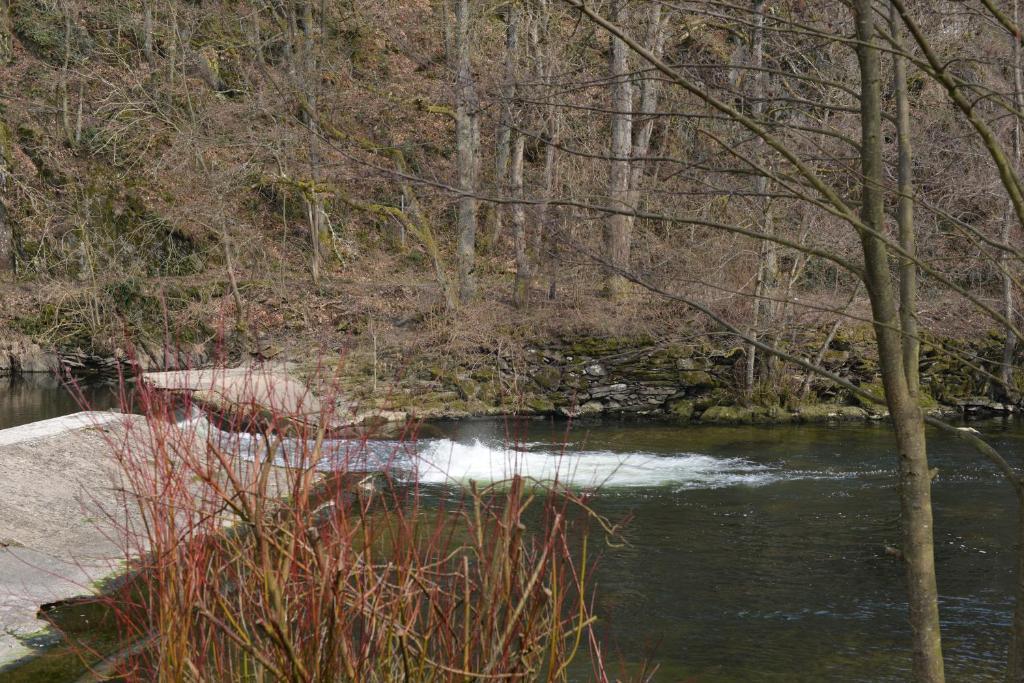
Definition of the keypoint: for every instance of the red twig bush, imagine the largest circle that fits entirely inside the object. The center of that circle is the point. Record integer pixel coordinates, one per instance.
(267, 551)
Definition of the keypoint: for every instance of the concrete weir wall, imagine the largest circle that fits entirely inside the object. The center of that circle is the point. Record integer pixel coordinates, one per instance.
(57, 482)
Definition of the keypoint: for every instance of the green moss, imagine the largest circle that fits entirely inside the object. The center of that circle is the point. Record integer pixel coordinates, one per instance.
(467, 388)
(681, 409)
(548, 377)
(824, 412)
(697, 379)
(539, 404)
(744, 415)
(603, 346)
(873, 388)
(6, 145)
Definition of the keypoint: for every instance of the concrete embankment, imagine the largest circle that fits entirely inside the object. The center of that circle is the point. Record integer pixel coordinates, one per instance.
(58, 486)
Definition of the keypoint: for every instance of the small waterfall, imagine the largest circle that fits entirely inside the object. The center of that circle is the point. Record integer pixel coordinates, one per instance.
(443, 461)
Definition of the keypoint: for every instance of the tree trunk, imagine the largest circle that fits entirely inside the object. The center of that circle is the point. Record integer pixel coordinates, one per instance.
(309, 77)
(1010, 343)
(6, 242)
(546, 243)
(521, 289)
(767, 261)
(147, 29)
(907, 417)
(643, 128)
(467, 141)
(503, 146)
(905, 216)
(617, 236)
(6, 33)
(1015, 660)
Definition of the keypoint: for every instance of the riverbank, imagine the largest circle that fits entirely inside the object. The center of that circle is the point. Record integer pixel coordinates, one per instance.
(696, 379)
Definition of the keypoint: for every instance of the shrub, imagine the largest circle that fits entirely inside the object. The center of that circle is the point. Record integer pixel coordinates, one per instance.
(300, 558)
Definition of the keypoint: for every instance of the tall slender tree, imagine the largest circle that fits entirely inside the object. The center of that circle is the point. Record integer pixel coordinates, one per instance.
(467, 134)
(1010, 220)
(869, 223)
(617, 233)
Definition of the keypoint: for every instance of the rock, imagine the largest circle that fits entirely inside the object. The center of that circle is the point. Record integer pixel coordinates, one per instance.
(552, 356)
(548, 377)
(571, 380)
(981, 404)
(824, 412)
(540, 405)
(378, 418)
(697, 379)
(588, 408)
(742, 415)
(682, 409)
(607, 390)
(34, 359)
(595, 370)
(468, 389)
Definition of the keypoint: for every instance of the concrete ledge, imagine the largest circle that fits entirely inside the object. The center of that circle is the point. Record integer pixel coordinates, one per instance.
(57, 425)
(58, 484)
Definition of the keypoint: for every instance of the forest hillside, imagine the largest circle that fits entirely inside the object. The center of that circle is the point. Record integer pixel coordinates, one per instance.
(422, 179)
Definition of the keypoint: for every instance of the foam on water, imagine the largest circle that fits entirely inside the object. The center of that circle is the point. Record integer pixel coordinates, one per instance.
(443, 461)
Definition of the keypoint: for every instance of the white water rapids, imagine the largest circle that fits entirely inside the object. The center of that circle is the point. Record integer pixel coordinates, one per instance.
(447, 462)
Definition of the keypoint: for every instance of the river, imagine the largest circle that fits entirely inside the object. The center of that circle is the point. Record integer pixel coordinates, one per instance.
(758, 553)
(755, 553)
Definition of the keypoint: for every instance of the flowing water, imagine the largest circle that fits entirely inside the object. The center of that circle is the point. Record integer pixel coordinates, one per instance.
(758, 553)
(755, 553)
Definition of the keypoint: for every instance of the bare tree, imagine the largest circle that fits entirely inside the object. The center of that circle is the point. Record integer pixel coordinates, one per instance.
(147, 30)
(617, 235)
(6, 33)
(869, 224)
(521, 289)
(6, 225)
(767, 262)
(467, 135)
(503, 137)
(907, 417)
(1010, 343)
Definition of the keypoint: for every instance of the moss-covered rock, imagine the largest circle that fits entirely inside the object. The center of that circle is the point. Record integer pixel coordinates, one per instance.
(697, 379)
(825, 412)
(682, 409)
(875, 388)
(548, 377)
(539, 405)
(468, 388)
(745, 415)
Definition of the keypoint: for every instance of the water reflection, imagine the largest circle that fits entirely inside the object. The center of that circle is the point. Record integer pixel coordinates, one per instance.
(41, 396)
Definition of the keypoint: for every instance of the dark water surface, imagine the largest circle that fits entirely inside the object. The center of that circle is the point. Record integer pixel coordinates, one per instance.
(41, 396)
(755, 553)
(774, 567)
